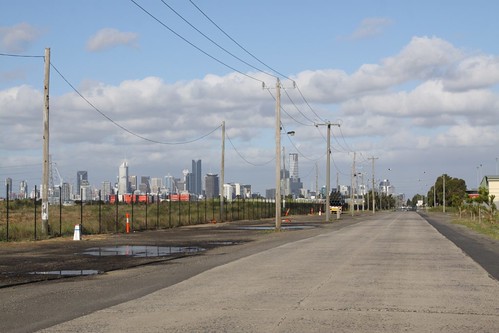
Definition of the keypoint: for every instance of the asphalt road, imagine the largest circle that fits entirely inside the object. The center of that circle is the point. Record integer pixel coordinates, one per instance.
(388, 272)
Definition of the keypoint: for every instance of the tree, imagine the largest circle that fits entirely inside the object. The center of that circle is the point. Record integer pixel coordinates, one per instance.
(455, 191)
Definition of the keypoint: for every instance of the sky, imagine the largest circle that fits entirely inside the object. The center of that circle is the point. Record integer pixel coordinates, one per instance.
(412, 84)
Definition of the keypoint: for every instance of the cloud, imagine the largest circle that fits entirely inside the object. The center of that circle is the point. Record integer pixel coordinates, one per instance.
(428, 97)
(370, 27)
(108, 38)
(18, 38)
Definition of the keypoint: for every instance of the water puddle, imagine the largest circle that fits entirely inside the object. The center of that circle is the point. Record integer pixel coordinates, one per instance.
(141, 251)
(224, 243)
(81, 272)
(289, 227)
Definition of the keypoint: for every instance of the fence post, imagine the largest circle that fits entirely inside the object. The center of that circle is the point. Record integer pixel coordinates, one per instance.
(60, 211)
(147, 199)
(7, 212)
(81, 211)
(157, 212)
(116, 217)
(100, 212)
(35, 212)
(170, 212)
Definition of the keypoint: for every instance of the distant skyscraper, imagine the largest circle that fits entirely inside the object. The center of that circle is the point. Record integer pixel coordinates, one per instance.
(123, 187)
(293, 166)
(132, 183)
(212, 187)
(196, 185)
(23, 190)
(295, 185)
(170, 184)
(80, 176)
(145, 184)
(156, 185)
(106, 191)
(65, 192)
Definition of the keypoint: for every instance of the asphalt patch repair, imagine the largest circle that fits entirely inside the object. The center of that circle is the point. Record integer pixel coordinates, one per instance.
(34, 261)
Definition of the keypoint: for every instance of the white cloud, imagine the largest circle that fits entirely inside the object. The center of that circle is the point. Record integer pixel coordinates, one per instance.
(18, 38)
(429, 97)
(108, 38)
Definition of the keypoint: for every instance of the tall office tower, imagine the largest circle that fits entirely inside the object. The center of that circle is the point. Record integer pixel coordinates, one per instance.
(145, 184)
(132, 184)
(106, 191)
(196, 180)
(123, 187)
(80, 175)
(293, 166)
(65, 192)
(156, 185)
(212, 187)
(8, 187)
(186, 181)
(170, 184)
(23, 190)
(386, 188)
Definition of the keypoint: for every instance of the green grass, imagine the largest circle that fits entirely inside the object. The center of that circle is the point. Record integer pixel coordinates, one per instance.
(487, 228)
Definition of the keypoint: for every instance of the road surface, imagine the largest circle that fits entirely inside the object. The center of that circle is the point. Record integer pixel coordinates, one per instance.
(394, 272)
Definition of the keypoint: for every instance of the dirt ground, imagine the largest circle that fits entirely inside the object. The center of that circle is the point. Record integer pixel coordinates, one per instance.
(26, 262)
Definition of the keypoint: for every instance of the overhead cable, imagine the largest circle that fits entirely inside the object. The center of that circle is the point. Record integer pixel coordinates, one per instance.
(192, 44)
(124, 128)
(242, 157)
(215, 43)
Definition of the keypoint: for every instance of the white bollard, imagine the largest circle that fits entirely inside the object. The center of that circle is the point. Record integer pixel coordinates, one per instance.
(77, 233)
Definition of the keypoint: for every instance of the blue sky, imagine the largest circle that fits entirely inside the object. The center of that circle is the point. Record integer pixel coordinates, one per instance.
(412, 82)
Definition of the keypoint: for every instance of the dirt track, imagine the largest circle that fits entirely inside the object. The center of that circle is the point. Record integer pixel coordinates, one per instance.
(20, 261)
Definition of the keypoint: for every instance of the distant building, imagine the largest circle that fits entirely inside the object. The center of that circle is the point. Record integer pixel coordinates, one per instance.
(132, 184)
(195, 181)
(491, 183)
(66, 192)
(107, 191)
(80, 176)
(156, 185)
(228, 192)
(212, 186)
(23, 190)
(145, 184)
(123, 187)
(85, 191)
(386, 188)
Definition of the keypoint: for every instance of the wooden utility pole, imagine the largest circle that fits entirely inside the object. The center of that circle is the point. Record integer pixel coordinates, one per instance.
(222, 173)
(328, 167)
(352, 191)
(45, 165)
(277, 156)
(374, 201)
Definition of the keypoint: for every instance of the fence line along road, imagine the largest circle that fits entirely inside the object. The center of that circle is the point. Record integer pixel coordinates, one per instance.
(381, 275)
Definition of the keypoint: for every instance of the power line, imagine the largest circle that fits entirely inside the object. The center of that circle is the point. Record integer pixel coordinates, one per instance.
(242, 157)
(255, 57)
(215, 43)
(192, 44)
(121, 126)
(283, 110)
(20, 55)
(232, 39)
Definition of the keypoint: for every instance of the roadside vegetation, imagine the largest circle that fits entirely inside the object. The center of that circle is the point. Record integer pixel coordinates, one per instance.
(478, 212)
(21, 219)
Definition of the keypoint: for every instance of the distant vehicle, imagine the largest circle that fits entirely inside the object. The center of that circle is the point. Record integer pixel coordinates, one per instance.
(336, 202)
